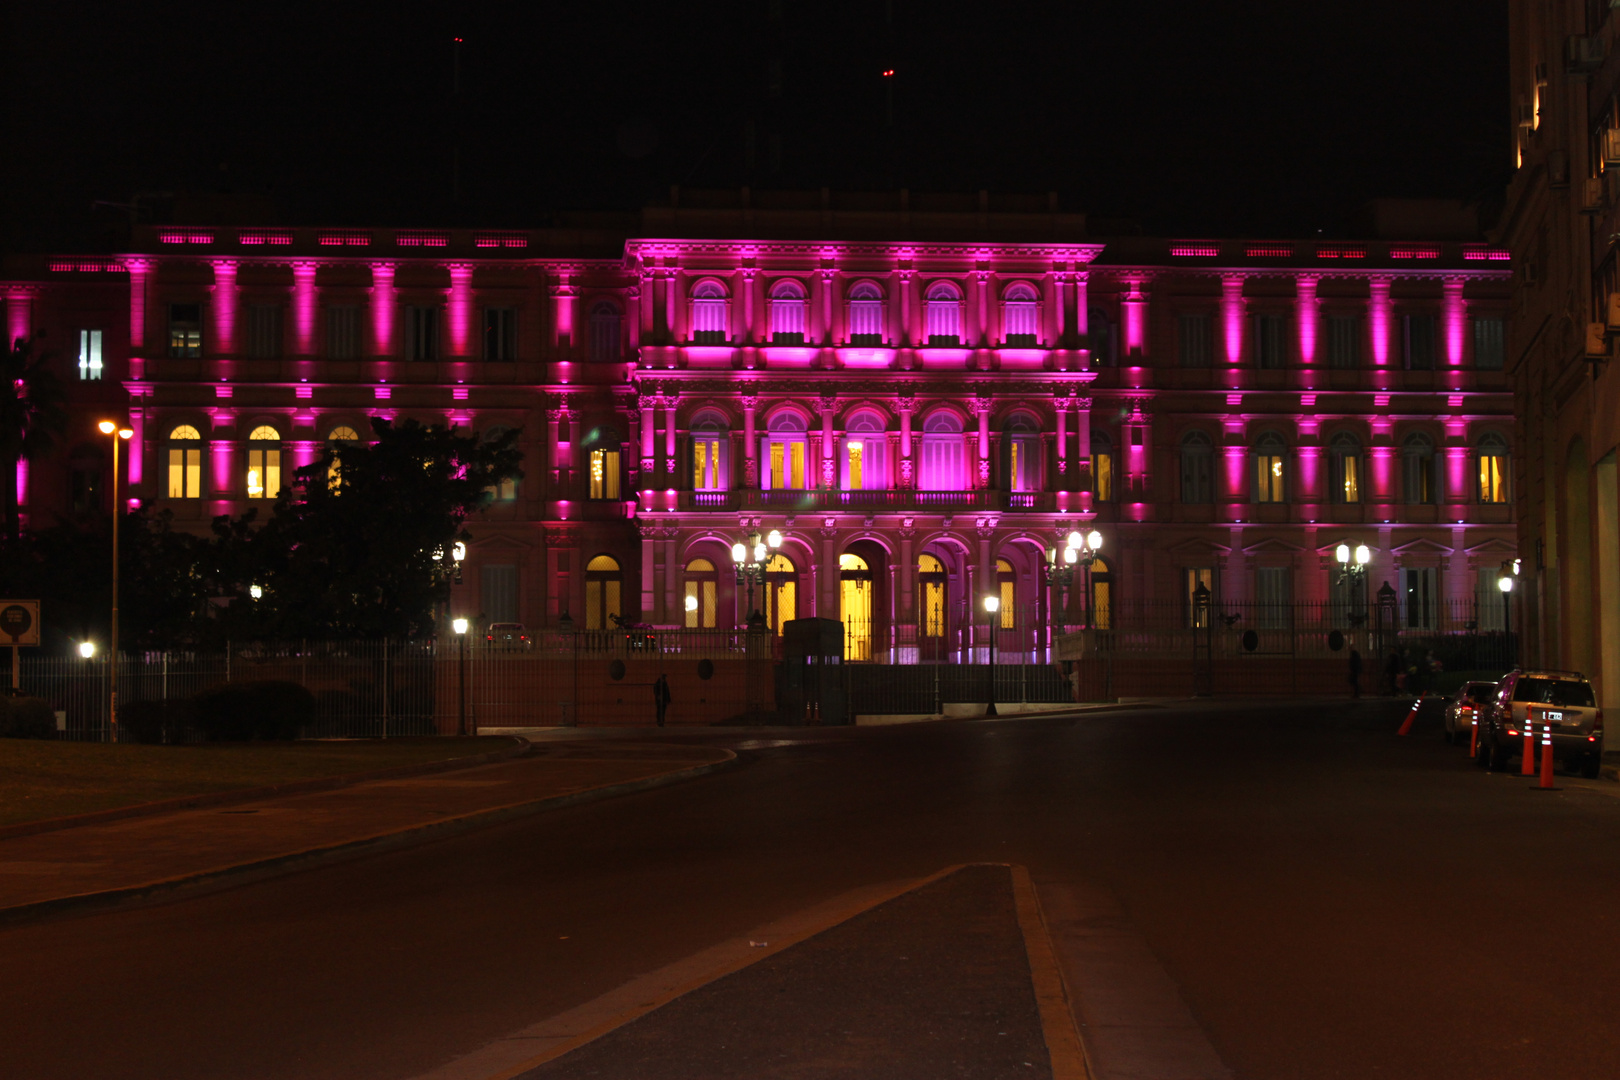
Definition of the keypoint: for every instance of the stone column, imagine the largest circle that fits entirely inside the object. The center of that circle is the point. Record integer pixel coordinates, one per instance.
(1379, 317)
(750, 404)
(906, 404)
(670, 402)
(305, 306)
(1082, 439)
(982, 405)
(1307, 323)
(646, 401)
(19, 323)
(459, 310)
(649, 583)
(138, 271)
(382, 310)
(828, 406)
(225, 484)
(1234, 314)
(1061, 408)
(562, 315)
(1082, 325)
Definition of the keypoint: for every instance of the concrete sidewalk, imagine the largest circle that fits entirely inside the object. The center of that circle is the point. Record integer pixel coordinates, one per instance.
(135, 857)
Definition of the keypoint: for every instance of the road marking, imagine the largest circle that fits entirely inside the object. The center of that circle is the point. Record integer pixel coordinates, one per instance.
(1058, 1021)
(516, 1054)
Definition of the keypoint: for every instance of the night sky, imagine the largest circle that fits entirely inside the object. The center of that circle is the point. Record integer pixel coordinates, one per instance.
(1255, 118)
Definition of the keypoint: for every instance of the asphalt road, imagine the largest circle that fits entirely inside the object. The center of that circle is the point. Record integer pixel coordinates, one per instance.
(1331, 901)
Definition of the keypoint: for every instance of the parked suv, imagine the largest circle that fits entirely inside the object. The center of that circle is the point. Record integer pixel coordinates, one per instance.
(1464, 707)
(508, 637)
(1562, 699)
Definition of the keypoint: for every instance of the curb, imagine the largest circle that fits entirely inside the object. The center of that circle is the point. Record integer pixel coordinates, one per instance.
(241, 795)
(366, 845)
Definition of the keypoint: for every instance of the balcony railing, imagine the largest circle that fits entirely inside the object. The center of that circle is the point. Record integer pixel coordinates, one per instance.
(812, 500)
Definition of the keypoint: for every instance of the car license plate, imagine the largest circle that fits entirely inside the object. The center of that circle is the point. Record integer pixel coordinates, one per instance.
(1550, 717)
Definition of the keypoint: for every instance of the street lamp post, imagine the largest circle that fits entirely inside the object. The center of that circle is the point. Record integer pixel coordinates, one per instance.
(460, 627)
(1353, 573)
(749, 557)
(992, 605)
(1505, 583)
(1086, 548)
(119, 434)
(1059, 576)
(1386, 618)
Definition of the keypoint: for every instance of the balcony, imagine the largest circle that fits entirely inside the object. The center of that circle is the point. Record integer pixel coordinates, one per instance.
(791, 501)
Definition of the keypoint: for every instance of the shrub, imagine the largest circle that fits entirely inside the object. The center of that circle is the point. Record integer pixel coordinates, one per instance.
(155, 722)
(269, 709)
(27, 718)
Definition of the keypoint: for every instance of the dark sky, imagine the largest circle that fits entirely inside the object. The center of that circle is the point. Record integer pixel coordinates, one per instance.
(1261, 117)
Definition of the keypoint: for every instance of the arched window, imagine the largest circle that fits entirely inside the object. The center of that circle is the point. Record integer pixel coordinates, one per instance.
(781, 592)
(185, 463)
(1344, 469)
(865, 453)
(264, 463)
(865, 314)
(1006, 591)
(606, 343)
(702, 591)
(334, 472)
(855, 605)
(789, 308)
(1270, 471)
(709, 452)
(1493, 468)
(1417, 452)
(1102, 466)
(604, 581)
(944, 458)
(506, 490)
(603, 444)
(711, 311)
(1100, 338)
(785, 453)
(1022, 453)
(1020, 315)
(944, 314)
(931, 582)
(1197, 469)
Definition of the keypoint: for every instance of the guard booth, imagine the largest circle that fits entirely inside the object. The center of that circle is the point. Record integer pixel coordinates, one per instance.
(809, 680)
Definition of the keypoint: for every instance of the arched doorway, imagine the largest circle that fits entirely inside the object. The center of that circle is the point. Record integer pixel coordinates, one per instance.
(702, 594)
(781, 592)
(932, 611)
(604, 582)
(855, 589)
(1100, 613)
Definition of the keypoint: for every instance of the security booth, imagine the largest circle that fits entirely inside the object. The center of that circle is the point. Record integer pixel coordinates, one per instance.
(809, 680)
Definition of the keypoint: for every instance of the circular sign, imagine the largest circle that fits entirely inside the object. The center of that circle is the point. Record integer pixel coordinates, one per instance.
(705, 668)
(616, 670)
(1336, 640)
(1251, 641)
(15, 621)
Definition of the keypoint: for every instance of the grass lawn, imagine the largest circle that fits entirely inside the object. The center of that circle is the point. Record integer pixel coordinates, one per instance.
(43, 779)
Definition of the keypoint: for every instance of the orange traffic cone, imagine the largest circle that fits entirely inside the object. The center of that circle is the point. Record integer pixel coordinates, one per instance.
(1527, 767)
(1473, 738)
(1546, 759)
(1406, 728)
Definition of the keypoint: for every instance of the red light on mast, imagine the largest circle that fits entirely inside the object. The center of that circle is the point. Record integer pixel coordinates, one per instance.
(888, 73)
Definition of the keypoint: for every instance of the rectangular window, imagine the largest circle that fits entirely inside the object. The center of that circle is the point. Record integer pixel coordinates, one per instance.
(1419, 596)
(1198, 614)
(1271, 596)
(1346, 479)
(1493, 478)
(1490, 344)
(1420, 342)
(89, 354)
(1268, 479)
(185, 472)
(342, 332)
(422, 333)
(707, 472)
(1197, 480)
(701, 603)
(1023, 464)
(1271, 341)
(1420, 485)
(263, 472)
(1344, 341)
(1020, 323)
(942, 467)
(856, 449)
(1195, 338)
(499, 592)
(604, 474)
(1102, 477)
(264, 331)
(86, 490)
(866, 322)
(787, 465)
(1009, 614)
(185, 330)
(500, 334)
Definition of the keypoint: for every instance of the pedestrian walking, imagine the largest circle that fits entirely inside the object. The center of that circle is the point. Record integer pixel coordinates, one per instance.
(1355, 672)
(661, 697)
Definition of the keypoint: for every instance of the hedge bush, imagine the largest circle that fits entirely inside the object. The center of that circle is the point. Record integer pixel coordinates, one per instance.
(156, 722)
(27, 718)
(267, 709)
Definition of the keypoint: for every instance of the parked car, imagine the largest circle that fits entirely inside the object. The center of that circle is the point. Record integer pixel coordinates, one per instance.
(1561, 699)
(507, 637)
(1465, 707)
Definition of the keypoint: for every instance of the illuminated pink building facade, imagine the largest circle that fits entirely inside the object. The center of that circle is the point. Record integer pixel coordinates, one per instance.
(921, 400)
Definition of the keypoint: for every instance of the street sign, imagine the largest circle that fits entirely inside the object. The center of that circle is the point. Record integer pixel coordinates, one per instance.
(19, 622)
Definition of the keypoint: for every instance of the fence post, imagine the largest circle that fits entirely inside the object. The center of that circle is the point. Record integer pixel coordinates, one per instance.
(385, 674)
(165, 674)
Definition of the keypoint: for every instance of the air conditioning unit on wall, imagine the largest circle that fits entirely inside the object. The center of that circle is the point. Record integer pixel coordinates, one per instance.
(1592, 196)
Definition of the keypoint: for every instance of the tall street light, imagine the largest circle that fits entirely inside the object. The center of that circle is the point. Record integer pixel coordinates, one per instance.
(1354, 574)
(119, 435)
(750, 557)
(992, 605)
(1505, 583)
(1059, 576)
(1086, 548)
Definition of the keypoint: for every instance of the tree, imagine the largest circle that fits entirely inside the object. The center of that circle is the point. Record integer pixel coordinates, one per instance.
(350, 549)
(32, 419)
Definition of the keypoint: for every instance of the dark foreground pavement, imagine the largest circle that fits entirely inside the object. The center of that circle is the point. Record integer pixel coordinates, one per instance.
(1314, 895)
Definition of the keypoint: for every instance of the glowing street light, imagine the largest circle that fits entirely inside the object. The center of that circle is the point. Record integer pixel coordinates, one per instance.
(120, 434)
(992, 605)
(87, 649)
